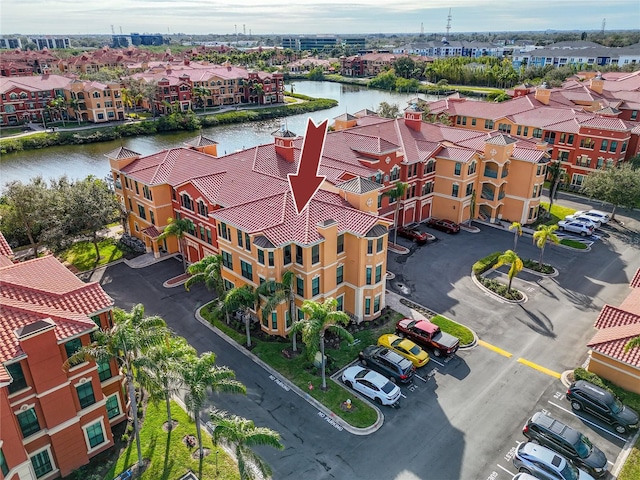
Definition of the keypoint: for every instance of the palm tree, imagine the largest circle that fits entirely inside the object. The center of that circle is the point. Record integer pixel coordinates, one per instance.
(201, 374)
(397, 193)
(322, 317)
(243, 434)
(633, 343)
(243, 299)
(277, 293)
(517, 232)
(207, 271)
(509, 257)
(75, 105)
(178, 228)
(158, 370)
(542, 235)
(130, 337)
(556, 175)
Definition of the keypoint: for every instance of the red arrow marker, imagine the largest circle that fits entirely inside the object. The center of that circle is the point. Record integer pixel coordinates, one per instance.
(306, 182)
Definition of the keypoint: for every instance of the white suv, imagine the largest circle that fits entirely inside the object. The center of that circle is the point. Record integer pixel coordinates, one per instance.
(574, 226)
(602, 217)
(589, 221)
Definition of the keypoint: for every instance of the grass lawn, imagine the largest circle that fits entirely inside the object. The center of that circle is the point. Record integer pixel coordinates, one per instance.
(573, 244)
(82, 255)
(454, 328)
(631, 469)
(558, 213)
(9, 131)
(169, 457)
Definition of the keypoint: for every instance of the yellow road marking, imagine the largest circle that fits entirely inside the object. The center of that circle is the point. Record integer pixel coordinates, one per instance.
(504, 353)
(539, 368)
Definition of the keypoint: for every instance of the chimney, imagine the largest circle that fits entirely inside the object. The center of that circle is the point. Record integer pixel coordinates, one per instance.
(413, 117)
(186, 61)
(543, 93)
(597, 83)
(284, 143)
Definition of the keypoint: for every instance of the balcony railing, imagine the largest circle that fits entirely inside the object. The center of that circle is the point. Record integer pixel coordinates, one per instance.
(490, 173)
(501, 195)
(487, 194)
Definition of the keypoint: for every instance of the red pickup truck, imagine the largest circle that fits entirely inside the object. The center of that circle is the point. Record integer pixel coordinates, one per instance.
(427, 334)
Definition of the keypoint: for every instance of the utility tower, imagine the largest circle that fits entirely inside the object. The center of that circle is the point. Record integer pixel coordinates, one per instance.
(604, 23)
(448, 23)
(422, 29)
(113, 32)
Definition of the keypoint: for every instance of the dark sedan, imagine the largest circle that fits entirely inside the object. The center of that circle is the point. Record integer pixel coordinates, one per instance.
(413, 233)
(444, 225)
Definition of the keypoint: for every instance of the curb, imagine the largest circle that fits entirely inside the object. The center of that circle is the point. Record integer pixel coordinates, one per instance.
(305, 396)
(496, 296)
(555, 273)
(132, 264)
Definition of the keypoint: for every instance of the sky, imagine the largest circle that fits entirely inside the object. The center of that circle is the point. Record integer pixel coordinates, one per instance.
(78, 17)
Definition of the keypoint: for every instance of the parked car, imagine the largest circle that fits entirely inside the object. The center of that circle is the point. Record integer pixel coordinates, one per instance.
(575, 226)
(444, 225)
(523, 476)
(602, 217)
(413, 233)
(603, 404)
(390, 364)
(549, 432)
(375, 386)
(584, 219)
(544, 463)
(427, 334)
(406, 348)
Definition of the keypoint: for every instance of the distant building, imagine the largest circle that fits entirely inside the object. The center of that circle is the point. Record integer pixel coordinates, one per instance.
(137, 39)
(321, 42)
(10, 43)
(562, 54)
(51, 42)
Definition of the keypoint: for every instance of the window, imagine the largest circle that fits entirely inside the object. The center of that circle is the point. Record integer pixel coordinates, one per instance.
(201, 232)
(376, 304)
(299, 255)
(247, 241)
(246, 269)
(4, 468)
(315, 286)
(152, 217)
(261, 257)
(72, 346)
(95, 434)
(537, 133)
(300, 315)
(186, 201)
(315, 254)
(395, 173)
(367, 306)
(239, 238)
(113, 407)
(430, 167)
(473, 122)
(42, 463)
(146, 192)
(488, 124)
(19, 381)
(624, 147)
(340, 243)
(613, 147)
(274, 320)
(454, 190)
(634, 114)
(469, 189)
(141, 212)
(104, 371)
(604, 145)
(340, 274)
(340, 305)
(227, 260)
(379, 201)
(379, 244)
(287, 320)
(228, 285)
(202, 208)
(378, 273)
(85, 394)
(286, 252)
(300, 286)
(472, 168)
(28, 422)
(137, 188)
(272, 261)
(368, 275)
(457, 169)
(427, 188)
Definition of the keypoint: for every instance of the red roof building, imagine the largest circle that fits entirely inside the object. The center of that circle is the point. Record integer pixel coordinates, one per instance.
(52, 421)
(616, 326)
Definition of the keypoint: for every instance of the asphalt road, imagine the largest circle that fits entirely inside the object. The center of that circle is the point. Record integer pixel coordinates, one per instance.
(465, 421)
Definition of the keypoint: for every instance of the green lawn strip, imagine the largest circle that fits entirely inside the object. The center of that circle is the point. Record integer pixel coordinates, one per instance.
(631, 468)
(573, 244)
(210, 317)
(169, 457)
(9, 131)
(453, 328)
(558, 213)
(82, 255)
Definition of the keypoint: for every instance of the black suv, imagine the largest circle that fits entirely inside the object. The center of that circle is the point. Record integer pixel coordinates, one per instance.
(546, 430)
(602, 404)
(391, 364)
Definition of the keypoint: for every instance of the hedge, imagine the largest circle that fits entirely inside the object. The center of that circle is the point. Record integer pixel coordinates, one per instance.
(485, 263)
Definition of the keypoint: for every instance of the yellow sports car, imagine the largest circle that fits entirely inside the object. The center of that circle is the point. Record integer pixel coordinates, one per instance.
(406, 348)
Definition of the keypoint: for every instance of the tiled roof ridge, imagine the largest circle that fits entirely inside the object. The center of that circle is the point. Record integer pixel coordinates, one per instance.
(54, 313)
(165, 161)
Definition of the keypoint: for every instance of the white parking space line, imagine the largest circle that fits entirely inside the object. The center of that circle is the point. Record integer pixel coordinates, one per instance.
(589, 422)
(403, 395)
(500, 466)
(435, 361)
(423, 379)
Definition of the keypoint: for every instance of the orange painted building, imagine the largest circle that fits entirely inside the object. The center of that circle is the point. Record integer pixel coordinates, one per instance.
(52, 421)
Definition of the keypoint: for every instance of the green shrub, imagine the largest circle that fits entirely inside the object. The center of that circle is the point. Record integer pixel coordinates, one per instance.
(534, 265)
(500, 288)
(582, 374)
(485, 263)
(125, 438)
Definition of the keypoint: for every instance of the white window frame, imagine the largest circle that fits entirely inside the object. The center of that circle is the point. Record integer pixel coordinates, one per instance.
(51, 459)
(86, 426)
(119, 405)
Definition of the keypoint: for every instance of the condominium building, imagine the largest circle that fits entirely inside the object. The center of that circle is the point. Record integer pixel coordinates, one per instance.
(52, 421)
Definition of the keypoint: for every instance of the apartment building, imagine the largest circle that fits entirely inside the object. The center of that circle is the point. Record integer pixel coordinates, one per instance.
(577, 53)
(367, 64)
(52, 421)
(24, 99)
(95, 102)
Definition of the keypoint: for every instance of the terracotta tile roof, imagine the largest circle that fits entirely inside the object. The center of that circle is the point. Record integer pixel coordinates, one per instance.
(151, 231)
(611, 342)
(360, 142)
(345, 116)
(365, 112)
(632, 302)
(463, 155)
(275, 218)
(635, 281)
(121, 152)
(614, 317)
(5, 261)
(530, 155)
(5, 248)
(34, 83)
(359, 185)
(201, 141)
(608, 123)
(42, 289)
(501, 139)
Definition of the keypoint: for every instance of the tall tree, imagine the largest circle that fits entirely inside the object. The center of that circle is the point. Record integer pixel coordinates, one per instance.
(556, 175)
(277, 293)
(207, 271)
(178, 228)
(509, 257)
(542, 235)
(130, 337)
(199, 375)
(397, 193)
(388, 110)
(243, 435)
(517, 232)
(242, 299)
(319, 319)
(159, 370)
(619, 186)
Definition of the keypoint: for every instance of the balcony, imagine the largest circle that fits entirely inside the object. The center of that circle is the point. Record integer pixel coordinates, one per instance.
(490, 172)
(487, 193)
(501, 195)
